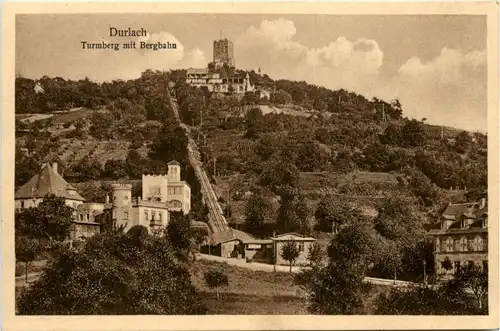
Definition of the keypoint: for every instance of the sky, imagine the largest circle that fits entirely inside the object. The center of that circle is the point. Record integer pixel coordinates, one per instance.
(434, 64)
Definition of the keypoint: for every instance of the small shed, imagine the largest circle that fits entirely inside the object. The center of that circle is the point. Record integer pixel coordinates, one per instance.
(304, 243)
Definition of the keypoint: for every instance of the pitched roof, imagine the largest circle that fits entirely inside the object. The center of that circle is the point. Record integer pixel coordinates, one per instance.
(174, 163)
(454, 211)
(197, 71)
(229, 235)
(47, 181)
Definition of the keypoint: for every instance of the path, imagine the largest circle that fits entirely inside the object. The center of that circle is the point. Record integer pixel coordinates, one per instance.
(281, 268)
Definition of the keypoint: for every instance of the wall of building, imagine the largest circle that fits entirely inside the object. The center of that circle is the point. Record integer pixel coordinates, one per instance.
(154, 187)
(305, 246)
(228, 248)
(459, 248)
(180, 192)
(81, 230)
(29, 203)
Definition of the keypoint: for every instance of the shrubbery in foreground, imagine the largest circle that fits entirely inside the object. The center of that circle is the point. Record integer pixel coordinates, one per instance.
(115, 273)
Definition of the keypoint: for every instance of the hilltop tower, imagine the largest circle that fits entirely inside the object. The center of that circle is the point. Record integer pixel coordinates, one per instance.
(223, 53)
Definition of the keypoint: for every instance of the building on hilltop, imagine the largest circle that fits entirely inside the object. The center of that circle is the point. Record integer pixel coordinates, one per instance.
(217, 82)
(460, 237)
(223, 53)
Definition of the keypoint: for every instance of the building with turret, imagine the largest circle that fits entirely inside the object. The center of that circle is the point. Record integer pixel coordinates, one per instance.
(160, 195)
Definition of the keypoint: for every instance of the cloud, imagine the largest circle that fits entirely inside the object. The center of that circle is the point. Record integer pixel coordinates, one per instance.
(195, 59)
(340, 63)
(449, 89)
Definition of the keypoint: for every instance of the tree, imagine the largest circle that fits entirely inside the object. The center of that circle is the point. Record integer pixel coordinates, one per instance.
(179, 233)
(278, 172)
(258, 211)
(463, 142)
(290, 252)
(473, 277)
(114, 273)
(51, 219)
(447, 265)
(315, 255)
(338, 287)
(400, 228)
(413, 134)
(293, 213)
(280, 97)
(215, 279)
(310, 157)
(331, 214)
(26, 251)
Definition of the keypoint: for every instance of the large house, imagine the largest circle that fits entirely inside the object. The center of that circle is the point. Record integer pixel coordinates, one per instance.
(46, 181)
(217, 82)
(460, 237)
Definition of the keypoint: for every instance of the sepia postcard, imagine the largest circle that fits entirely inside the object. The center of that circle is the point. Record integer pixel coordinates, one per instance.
(249, 166)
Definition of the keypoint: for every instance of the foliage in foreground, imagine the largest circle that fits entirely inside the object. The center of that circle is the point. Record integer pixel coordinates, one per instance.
(215, 279)
(115, 273)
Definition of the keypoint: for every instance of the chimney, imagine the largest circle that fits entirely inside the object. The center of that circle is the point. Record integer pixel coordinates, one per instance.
(54, 166)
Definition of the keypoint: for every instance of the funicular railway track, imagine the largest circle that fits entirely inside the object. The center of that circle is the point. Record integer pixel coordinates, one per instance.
(216, 220)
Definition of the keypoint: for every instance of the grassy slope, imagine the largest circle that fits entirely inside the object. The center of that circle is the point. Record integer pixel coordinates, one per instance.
(257, 292)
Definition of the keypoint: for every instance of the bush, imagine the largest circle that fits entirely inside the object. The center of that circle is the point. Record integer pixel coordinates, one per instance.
(215, 279)
(115, 273)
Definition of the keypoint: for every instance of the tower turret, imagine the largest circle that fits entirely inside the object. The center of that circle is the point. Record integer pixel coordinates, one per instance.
(174, 171)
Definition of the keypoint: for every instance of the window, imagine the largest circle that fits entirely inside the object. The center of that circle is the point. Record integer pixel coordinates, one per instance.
(449, 245)
(301, 247)
(125, 197)
(81, 218)
(88, 217)
(479, 243)
(146, 214)
(22, 204)
(125, 215)
(160, 214)
(463, 244)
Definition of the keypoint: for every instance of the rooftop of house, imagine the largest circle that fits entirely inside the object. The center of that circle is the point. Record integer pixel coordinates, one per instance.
(48, 181)
(229, 235)
(197, 71)
(451, 218)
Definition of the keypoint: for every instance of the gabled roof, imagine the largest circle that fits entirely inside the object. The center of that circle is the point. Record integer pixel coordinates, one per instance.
(197, 71)
(286, 236)
(47, 181)
(229, 235)
(455, 211)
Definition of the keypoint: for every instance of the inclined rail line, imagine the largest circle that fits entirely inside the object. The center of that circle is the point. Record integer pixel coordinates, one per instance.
(216, 220)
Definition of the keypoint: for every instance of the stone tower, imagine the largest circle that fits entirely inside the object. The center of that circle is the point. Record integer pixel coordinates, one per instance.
(122, 204)
(223, 53)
